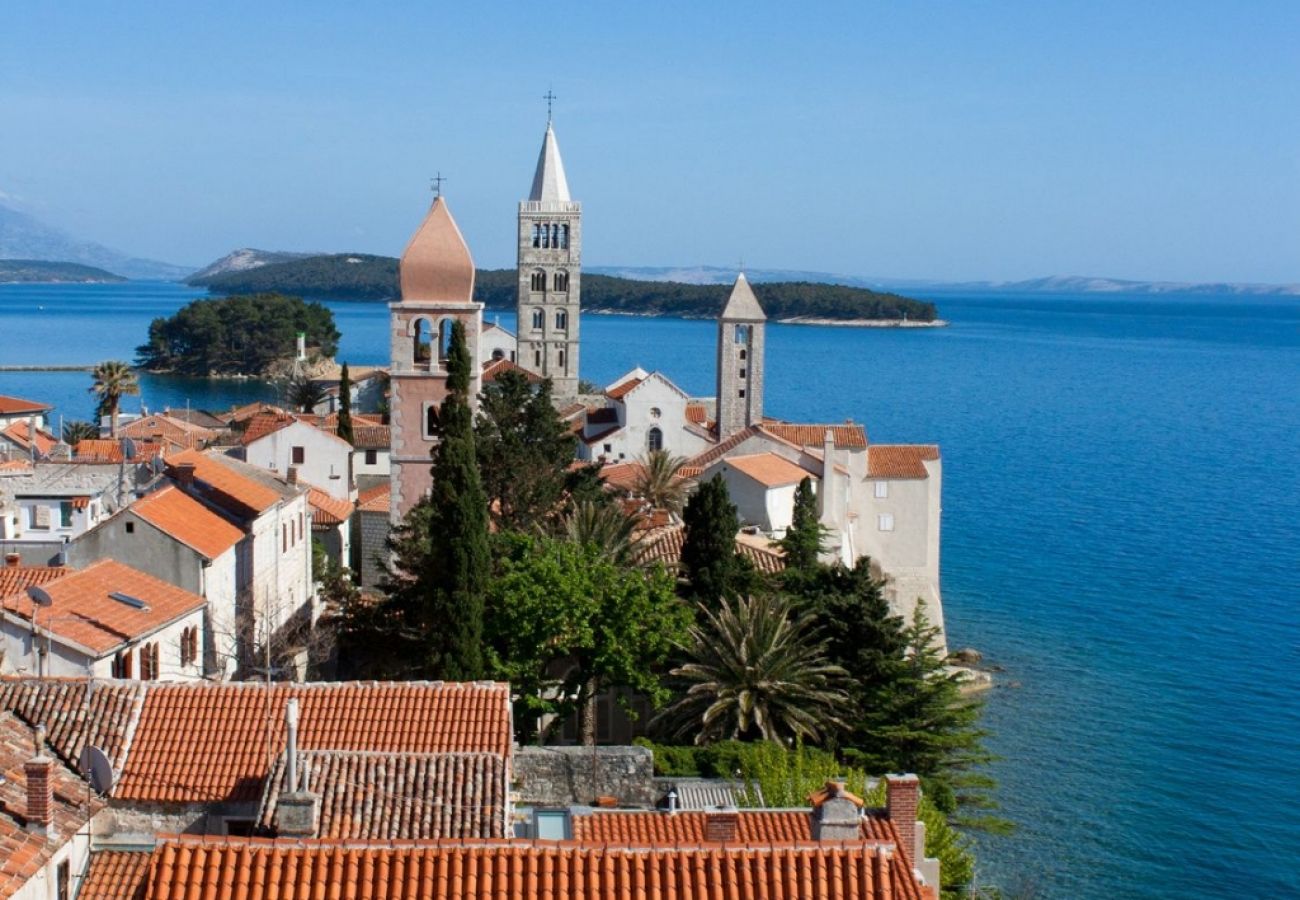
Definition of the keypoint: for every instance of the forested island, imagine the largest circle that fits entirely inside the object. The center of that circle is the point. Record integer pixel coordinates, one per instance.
(355, 276)
(237, 335)
(37, 271)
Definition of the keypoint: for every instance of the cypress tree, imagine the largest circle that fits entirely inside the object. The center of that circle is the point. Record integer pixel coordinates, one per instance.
(345, 405)
(804, 538)
(456, 571)
(709, 559)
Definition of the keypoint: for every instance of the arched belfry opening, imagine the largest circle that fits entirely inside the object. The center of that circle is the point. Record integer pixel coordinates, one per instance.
(422, 344)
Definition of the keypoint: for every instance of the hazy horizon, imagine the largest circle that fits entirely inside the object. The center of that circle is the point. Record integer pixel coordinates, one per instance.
(1153, 144)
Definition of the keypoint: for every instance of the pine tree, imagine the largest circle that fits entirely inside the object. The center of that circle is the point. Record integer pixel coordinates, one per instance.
(804, 538)
(455, 575)
(709, 559)
(345, 405)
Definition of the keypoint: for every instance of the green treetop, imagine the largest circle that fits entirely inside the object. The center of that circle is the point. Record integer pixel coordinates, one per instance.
(804, 538)
(709, 559)
(345, 405)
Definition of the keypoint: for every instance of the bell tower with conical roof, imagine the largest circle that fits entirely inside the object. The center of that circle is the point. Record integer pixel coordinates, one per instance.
(437, 285)
(550, 275)
(741, 336)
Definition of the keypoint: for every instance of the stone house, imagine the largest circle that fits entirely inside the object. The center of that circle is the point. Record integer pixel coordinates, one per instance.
(16, 409)
(322, 458)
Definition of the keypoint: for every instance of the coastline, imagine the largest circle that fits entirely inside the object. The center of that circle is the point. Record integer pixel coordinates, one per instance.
(791, 320)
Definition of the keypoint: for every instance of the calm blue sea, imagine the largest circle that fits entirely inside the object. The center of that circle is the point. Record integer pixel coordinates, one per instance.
(1121, 534)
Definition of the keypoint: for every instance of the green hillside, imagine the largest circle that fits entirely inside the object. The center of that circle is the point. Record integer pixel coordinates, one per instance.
(40, 270)
(355, 276)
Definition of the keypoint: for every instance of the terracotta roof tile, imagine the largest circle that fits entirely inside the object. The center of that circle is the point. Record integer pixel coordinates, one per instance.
(371, 437)
(495, 367)
(208, 742)
(16, 465)
(846, 434)
(157, 426)
(327, 510)
(24, 853)
(621, 390)
(697, 413)
(399, 796)
(664, 545)
(375, 499)
(15, 406)
(722, 448)
(77, 712)
(89, 617)
(637, 828)
(107, 450)
(900, 460)
(116, 875)
(226, 481)
(265, 423)
(179, 515)
(188, 867)
(20, 433)
(239, 414)
(622, 476)
(15, 579)
(768, 469)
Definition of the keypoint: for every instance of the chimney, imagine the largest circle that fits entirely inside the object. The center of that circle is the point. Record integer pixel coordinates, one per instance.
(13, 560)
(902, 797)
(672, 801)
(291, 475)
(827, 492)
(291, 751)
(31, 436)
(837, 814)
(40, 788)
(183, 472)
(296, 809)
(720, 826)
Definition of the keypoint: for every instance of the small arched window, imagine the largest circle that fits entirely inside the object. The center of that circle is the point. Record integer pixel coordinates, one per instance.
(498, 353)
(537, 359)
(564, 237)
(654, 440)
(538, 280)
(430, 420)
(562, 360)
(561, 281)
(444, 339)
(539, 319)
(537, 235)
(422, 350)
(546, 237)
(655, 412)
(561, 319)
(555, 235)
(742, 334)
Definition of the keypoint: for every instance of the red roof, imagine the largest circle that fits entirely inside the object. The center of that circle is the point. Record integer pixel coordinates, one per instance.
(846, 434)
(621, 390)
(327, 510)
(900, 460)
(157, 426)
(186, 867)
(116, 875)
(768, 469)
(375, 499)
(177, 514)
(108, 450)
(641, 828)
(14, 579)
(664, 543)
(493, 368)
(205, 742)
(265, 423)
(225, 480)
(77, 712)
(20, 433)
(17, 406)
(89, 616)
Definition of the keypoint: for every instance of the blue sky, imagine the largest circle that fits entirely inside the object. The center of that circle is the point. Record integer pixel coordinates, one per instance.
(947, 140)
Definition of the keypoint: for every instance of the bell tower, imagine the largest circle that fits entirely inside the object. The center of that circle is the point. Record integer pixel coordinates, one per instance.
(437, 289)
(741, 336)
(550, 275)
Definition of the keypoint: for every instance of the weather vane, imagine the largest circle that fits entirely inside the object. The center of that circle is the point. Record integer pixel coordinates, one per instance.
(437, 184)
(550, 98)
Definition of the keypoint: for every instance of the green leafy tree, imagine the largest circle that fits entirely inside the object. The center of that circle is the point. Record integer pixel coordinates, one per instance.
(113, 380)
(77, 430)
(456, 573)
(524, 451)
(345, 405)
(568, 622)
(754, 672)
(660, 482)
(806, 535)
(710, 563)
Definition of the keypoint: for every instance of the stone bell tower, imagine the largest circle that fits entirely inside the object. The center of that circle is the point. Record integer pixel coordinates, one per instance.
(550, 275)
(437, 289)
(741, 330)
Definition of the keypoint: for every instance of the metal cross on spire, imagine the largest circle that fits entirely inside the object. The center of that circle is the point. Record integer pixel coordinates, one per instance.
(550, 98)
(437, 184)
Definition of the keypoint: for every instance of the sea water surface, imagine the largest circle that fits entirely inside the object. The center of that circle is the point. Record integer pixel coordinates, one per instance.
(1120, 535)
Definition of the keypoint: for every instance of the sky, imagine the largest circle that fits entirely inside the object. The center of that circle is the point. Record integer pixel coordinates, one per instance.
(935, 140)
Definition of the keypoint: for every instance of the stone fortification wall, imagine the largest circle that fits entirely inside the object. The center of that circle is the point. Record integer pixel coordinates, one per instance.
(576, 776)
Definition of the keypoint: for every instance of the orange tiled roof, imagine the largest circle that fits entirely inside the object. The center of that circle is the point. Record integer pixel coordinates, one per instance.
(243, 413)
(768, 469)
(204, 742)
(375, 499)
(16, 465)
(495, 367)
(697, 413)
(701, 461)
(371, 437)
(24, 853)
(619, 391)
(20, 433)
(103, 719)
(226, 481)
(900, 460)
(88, 616)
(107, 450)
(766, 556)
(184, 867)
(641, 828)
(157, 426)
(14, 579)
(663, 544)
(176, 513)
(398, 796)
(265, 423)
(846, 434)
(622, 476)
(116, 875)
(327, 510)
(16, 406)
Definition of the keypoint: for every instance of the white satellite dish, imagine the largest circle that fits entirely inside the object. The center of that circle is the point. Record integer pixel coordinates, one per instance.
(39, 596)
(97, 769)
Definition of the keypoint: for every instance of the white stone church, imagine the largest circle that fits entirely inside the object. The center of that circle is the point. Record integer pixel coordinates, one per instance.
(880, 501)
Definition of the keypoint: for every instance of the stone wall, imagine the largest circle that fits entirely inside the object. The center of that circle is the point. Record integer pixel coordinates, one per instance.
(576, 776)
(374, 532)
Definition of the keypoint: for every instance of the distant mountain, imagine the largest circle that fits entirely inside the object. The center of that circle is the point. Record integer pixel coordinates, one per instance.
(23, 236)
(1063, 284)
(44, 271)
(241, 261)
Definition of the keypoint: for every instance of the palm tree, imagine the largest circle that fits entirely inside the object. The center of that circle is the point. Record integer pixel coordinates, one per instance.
(660, 482)
(303, 394)
(602, 525)
(77, 430)
(754, 673)
(113, 381)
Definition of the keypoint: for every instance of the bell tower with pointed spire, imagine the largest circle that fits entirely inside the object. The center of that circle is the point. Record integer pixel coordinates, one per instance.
(550, 275)
(741, 337)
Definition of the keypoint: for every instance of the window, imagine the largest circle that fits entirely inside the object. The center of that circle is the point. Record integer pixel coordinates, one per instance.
(149, 662)
(122, 665)
(741, 393)
(539, 319)
(742, 334)
(552, 824)
(498, 353)
(654, 440)
(39, 516)
(430, 421)
(555, 235)
(561, 319)
(189, 645)
(65, 513)
(538, 280)
(743, 354)
(655, 412)
(423, 348)
(130, 528)
(882, 490)
(564, 242)
(537, 235)
(63, 881)
(299, 455)
(284, 537)
(546, 237)
(537, 358)
(885, 521)
(561, 281)
(372, 457)
(560, 357)
(742, 373)
(300, 526)
(609, 448)
(239, 827)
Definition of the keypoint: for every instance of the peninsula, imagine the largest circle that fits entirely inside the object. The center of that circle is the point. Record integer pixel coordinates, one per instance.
(39, 271)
